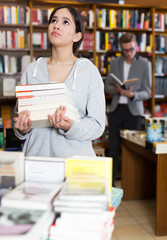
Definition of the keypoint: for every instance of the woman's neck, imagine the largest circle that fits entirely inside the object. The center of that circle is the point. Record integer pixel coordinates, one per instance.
(61, 57)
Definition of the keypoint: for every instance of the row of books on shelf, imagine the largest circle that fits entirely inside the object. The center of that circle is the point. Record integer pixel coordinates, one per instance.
(160, 87)
(160, 65)
(123, 18)
(41, 16)
(160, 21)
(14, 39)
(14, 14)
(13, 64)
(103, 63)
(160, 43)
(40, 41)
(88, 42)
(110, 41)
(51, 205)
(6, 115)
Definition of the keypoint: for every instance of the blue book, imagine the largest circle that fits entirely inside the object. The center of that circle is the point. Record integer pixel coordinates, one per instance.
(116, 195)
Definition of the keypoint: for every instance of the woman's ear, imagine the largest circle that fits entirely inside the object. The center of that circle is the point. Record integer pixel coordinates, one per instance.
(77, 37)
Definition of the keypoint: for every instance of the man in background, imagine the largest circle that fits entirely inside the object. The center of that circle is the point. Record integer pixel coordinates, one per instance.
(127, 102)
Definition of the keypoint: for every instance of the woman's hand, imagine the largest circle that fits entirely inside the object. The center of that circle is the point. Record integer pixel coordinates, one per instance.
(59, 120)
(23, 122)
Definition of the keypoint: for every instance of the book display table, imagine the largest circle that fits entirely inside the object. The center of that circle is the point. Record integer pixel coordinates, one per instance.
(144, 176)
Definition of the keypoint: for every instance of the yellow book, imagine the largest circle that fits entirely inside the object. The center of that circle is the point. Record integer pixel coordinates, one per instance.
(93, 166)
(106, 41)
(112, 22)
(99, 17)
(21, 32)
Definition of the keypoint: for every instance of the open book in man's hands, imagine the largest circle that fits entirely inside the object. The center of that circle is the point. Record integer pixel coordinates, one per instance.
(117, 80)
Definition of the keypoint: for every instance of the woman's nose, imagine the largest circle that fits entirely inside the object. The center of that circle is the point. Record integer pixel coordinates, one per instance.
(56, 26)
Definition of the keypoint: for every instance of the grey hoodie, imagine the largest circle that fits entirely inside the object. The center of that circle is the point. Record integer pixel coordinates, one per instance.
(87, 89)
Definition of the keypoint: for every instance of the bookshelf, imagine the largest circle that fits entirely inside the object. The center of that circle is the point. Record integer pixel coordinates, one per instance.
(106, 33)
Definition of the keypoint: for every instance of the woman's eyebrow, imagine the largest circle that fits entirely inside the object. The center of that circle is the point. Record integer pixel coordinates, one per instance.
(66, 18)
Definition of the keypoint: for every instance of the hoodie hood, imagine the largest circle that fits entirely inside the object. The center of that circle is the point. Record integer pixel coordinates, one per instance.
(77, 62)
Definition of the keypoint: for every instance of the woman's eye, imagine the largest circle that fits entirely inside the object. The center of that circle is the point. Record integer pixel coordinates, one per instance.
(53, 20)
(66, 22)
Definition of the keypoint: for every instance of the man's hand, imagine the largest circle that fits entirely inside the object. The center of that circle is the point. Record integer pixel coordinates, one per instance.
(124, 92)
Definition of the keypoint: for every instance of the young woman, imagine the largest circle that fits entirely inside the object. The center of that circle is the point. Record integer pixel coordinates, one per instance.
(66, 137)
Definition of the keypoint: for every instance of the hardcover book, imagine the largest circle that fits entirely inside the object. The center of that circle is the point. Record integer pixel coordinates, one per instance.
(31, 195)
(44, 169)
(23, 224)
(117, 80)
(11, 169)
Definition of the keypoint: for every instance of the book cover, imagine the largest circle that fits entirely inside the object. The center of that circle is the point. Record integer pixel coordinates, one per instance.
(117, 80)
(23, 224)
(99, 167)
(37, 87)
(31, 195)
(11, 169)
(44, 169)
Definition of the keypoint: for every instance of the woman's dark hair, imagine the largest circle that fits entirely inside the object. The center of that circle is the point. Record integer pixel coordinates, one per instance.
(79, 23)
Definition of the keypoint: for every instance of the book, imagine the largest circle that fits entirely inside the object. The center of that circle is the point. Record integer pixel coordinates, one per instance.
(11, 169)
(44, 169)
(116, 195)
(117, 80)
(31, 100)
(160, 147)
(35, 93)
(31, 195)
(1, 135)
(154, 132)
(23, 224)
(100, 167)
(38, 87)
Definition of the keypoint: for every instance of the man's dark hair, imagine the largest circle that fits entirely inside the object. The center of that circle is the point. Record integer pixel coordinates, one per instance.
(127, 37)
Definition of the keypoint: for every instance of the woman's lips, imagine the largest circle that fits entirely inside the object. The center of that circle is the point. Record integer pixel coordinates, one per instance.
(56, 34)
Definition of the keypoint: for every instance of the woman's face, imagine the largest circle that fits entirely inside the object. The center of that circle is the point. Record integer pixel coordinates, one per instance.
(61, 30)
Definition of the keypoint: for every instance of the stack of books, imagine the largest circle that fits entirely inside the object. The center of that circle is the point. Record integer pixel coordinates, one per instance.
(26, 211)
(83, 226)
(82, 209)
(43, 99)
(83, 194)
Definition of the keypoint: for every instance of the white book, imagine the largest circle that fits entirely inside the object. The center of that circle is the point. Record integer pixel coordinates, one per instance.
(26, 59)
(9, 84)
(12, 166)
(31, 195)
(30, 100)
(40, 93)
(117, 80)
(24, 224)
(39, 118)
(44, 169)
(160, 147)
(47, 106)
(37, 87)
